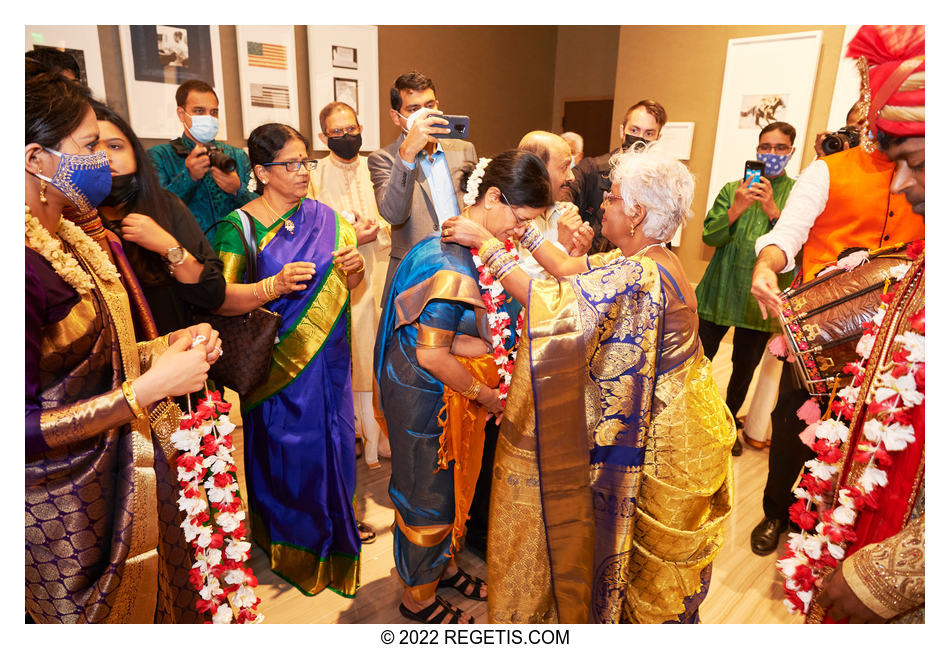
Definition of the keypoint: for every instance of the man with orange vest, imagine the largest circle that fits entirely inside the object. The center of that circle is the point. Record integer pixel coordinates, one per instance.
(840, 201)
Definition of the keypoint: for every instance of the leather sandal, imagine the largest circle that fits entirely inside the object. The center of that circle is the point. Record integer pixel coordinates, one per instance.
(435, 613)
(469, 586)
(367, 535)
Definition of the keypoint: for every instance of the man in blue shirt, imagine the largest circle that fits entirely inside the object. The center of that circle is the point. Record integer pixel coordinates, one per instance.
(185, 165)
(416, 177)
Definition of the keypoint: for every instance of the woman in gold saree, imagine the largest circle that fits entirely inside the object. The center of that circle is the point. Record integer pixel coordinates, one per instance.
(612, 477)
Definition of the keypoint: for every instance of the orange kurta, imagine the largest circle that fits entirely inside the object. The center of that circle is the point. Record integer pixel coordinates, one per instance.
(860, 212)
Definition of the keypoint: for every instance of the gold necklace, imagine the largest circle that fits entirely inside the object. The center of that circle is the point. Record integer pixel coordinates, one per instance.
(287, 223)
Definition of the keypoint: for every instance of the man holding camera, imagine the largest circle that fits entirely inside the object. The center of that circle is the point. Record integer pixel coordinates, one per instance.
(840, 201)
(210, 177)
(416, 177)
(641, 124)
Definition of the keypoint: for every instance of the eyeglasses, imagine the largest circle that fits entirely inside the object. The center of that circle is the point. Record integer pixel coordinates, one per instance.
(517, 218)
(339, 132)
(610, 198)
(293, 165)
(777, 148)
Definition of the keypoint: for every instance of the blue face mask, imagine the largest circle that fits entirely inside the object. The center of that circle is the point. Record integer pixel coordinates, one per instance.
(774, 163)
(83, 179)
(203, 127)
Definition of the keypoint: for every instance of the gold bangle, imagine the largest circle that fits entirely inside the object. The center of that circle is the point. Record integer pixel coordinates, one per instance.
(489, 247)
(472, 391)
(254, 290)
(362, 266)
(129, 392)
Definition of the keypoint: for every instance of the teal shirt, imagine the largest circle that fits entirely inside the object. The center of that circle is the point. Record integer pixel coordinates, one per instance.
(724, 294)
(207, 201)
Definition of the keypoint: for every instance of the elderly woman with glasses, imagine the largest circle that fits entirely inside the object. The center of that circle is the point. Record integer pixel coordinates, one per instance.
(298, 425)
(612, 477)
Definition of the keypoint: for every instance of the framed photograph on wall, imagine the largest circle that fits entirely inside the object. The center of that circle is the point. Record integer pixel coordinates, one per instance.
(344, 57)
(267, 67)
(79, 41)
(156, 59)
(753, 95)
(355, 50)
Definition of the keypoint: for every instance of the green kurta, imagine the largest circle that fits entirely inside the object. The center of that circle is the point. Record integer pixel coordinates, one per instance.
(724, 292)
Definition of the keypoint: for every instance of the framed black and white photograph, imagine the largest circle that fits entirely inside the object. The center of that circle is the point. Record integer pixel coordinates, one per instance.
(156, 59)
(344, 57)
(347, 91)
(331, 49)
(758, 111)
(79, 41)
(171, 54)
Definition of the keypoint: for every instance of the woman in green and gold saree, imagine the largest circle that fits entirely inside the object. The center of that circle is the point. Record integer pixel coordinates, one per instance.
(612, 478)
(298, 425)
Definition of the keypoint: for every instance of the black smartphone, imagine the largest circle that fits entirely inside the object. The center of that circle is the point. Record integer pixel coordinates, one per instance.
(755, 169)
(457, 125)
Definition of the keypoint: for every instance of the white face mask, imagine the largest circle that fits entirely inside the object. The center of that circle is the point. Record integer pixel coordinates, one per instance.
(412, 118)
(203, 127)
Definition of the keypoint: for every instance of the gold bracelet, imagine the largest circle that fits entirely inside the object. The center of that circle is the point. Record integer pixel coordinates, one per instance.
(362, 266)
(490, 246)
(472, 391)
(129, 392)
(269, 291)
(254, 290)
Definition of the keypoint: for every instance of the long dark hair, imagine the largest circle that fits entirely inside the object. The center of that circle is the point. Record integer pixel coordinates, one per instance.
(520, 175)
(266, 141)
(151, 199)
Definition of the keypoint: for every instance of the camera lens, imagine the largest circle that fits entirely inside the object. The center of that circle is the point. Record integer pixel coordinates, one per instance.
(833, 144)
(221, 160)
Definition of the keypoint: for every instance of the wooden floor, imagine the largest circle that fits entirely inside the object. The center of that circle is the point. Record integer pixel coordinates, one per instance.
(745, 588)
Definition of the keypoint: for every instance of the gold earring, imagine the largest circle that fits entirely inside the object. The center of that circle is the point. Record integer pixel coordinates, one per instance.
(43, 192)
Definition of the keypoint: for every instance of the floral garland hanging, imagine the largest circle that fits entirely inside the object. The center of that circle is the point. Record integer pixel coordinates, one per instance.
(208, 479)
(499, 322)
(827, 527)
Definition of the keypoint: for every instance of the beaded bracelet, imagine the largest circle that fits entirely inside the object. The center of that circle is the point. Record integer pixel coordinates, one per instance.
(532, 238)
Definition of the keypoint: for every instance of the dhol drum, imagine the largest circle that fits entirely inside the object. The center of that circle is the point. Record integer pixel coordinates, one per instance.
(822, 319)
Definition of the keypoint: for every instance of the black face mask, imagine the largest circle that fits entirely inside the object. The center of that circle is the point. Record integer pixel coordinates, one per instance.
(632, 141)
(346, 146)
(124, 189)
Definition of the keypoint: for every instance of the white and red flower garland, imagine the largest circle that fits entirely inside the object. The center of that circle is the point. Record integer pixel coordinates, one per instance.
(827, 527)
(208, 479)
(499, 322)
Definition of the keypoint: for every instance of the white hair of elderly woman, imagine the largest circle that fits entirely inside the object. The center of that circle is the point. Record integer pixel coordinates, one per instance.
(658, 182)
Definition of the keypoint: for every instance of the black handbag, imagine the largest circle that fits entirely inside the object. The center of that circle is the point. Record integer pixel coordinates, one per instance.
(247, 340)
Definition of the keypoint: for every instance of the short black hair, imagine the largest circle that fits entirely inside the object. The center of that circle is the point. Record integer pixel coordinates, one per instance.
(266, 141)
(786, 129)
(520, 175)
(196, 85)
(408, 81)
(56, 60)
(55, 105)
(885, 139)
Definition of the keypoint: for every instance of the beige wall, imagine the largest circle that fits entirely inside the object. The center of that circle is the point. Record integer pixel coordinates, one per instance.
(682, 68)
(585, 65)
(501, 77)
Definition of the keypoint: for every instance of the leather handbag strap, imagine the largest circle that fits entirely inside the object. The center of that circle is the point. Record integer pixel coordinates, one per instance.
(247, 234)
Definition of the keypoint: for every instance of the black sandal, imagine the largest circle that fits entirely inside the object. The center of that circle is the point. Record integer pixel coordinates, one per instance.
(470, 587)
(428, 614)
(370, 535)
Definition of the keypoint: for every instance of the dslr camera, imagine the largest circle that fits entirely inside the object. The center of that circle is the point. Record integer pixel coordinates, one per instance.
(846, 137)
(218, 158)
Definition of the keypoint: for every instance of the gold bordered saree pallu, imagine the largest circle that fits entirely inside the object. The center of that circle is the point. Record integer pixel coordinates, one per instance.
(612, 477)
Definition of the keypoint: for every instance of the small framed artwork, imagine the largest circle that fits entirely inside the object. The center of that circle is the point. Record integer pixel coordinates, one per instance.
(347, 91)
(344, 57)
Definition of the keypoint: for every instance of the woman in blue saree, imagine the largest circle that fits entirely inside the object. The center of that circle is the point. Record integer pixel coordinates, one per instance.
(438, 383)
(298, 425)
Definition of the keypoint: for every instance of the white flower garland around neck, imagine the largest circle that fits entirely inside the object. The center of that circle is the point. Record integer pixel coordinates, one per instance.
(63, 262)
(474, 182)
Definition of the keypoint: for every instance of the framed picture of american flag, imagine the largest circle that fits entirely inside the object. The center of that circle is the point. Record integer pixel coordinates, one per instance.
(267, 68)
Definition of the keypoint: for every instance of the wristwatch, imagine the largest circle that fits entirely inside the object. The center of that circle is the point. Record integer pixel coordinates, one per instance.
(174, 256)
